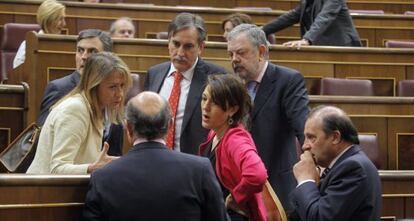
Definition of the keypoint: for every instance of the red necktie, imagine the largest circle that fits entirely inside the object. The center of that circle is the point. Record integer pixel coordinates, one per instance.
(173, 100)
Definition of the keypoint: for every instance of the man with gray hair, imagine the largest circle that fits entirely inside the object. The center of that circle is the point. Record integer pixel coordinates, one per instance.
(122, 28)
(152, 182)
(89, 41)
(280, 105)
(182, 81)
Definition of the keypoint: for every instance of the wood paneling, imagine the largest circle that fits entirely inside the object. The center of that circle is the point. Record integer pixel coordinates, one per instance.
(373, 29)
(13, 111)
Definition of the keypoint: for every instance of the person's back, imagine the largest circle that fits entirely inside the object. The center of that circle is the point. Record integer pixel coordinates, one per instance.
(158, 184)
(153, 182)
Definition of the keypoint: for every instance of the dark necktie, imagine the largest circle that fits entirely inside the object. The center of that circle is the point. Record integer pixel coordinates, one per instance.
(251, 88)
(173, 100)
(324, 173)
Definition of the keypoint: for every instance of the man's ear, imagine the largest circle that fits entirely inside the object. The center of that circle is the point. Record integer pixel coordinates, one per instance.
(201, 46)
(337, 137)
(129, 130)
(262, 51)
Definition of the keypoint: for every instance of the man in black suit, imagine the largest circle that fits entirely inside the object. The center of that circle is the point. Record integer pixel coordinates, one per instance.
(350, 187)
(89, 41)
(186, 35)
(280, 105)
(152, 182)
(322, 22)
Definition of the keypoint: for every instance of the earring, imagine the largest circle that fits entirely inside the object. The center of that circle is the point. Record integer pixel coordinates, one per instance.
(230, 121)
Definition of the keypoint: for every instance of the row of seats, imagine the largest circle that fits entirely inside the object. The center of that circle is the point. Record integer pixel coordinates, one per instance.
(357, 87)
(13, 35)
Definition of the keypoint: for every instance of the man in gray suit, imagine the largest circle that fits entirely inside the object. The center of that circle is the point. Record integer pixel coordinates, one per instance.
(280, 105)
(186, 35)
(152, 182)
(322, 22)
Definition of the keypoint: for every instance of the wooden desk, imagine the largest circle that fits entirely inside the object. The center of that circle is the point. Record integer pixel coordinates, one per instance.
(373, 29)
(42, 197)
(61, 197)
(389, 6)
(13, 111)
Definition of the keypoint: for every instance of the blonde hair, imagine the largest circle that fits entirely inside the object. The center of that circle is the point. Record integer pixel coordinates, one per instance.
(99, 67)
(48, 12)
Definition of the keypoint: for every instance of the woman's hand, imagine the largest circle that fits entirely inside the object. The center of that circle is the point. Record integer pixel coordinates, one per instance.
(233, 205)
(102, 160)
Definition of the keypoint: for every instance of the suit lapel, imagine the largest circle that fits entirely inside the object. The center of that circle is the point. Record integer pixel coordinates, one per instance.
(194, 94)
(160, 77)
(266, 87)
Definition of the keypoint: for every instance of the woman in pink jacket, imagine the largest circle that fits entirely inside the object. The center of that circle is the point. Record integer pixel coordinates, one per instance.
(225, 104)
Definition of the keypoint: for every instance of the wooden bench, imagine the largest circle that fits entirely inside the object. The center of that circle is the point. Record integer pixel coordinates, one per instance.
(61, 197)
(373, 29)
(389, 6)
(13, 112)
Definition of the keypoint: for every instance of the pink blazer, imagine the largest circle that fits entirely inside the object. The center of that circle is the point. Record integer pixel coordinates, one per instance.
(240, 169)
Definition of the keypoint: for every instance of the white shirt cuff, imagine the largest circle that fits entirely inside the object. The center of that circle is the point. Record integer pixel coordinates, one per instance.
(305, 181)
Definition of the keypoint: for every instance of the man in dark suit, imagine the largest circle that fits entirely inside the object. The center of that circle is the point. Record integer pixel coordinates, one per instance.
(350, 187)
(152, 182)
(280, 105)
(89, 41)
(322, 22)
(186, 35)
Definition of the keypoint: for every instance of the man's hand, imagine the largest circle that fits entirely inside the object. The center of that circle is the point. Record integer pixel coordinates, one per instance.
(305, 169)
(102, 160)
(296, 44)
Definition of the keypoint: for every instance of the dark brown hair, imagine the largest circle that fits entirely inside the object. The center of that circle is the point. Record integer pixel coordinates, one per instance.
(237, 19)
(228, 90)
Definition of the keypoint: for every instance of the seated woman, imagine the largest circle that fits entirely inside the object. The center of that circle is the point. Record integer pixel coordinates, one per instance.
(71, 138)
(234, 20)
(51, 18)
(225, 104)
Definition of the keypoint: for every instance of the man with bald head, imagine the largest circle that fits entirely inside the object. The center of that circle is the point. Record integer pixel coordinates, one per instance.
(349, 187)
(122, 28)
(153, 182)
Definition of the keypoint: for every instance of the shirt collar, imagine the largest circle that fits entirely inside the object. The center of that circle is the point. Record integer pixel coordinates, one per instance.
(188, 75)
(143, 140)
(262, 72)
(337, 157)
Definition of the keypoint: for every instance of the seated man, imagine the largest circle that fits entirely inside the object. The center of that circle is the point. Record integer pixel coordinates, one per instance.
(122, 28)
(152, 182)
(349, 187)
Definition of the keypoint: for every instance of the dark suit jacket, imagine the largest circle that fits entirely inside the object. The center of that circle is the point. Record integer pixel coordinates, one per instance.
(57, 89)
(192, 133)
(154, 183)
(278, 118)
(327, 22)
(350, 191)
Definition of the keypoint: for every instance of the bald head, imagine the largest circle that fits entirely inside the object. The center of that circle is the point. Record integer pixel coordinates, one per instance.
(122, 28)
(148, 114)
(335, 119)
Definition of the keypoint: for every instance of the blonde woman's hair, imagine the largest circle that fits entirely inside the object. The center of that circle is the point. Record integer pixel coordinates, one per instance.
(49, 12)
(99, 67)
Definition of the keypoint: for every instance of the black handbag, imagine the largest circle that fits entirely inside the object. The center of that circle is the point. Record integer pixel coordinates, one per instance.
(19, 154)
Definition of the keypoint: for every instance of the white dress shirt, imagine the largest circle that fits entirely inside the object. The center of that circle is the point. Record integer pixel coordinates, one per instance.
(185, 88)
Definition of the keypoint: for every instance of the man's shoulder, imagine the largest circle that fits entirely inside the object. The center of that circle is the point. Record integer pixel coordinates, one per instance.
(159, 67)
(282, 69)
(210, 67)
(66, 81)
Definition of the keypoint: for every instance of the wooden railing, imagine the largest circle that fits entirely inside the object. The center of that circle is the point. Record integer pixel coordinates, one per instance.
(373, 29)
(61, 197)
(389, 6)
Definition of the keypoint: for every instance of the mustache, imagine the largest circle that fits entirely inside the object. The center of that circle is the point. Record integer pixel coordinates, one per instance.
(179, 59)
(237, 67)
